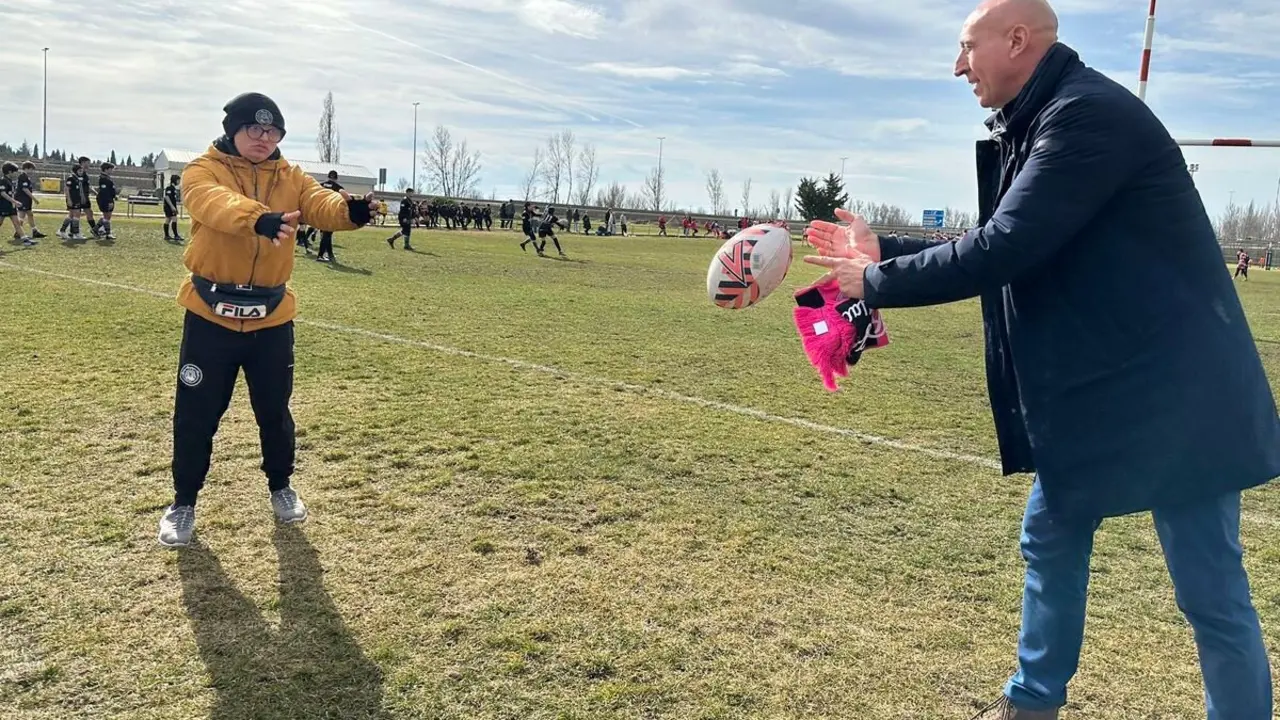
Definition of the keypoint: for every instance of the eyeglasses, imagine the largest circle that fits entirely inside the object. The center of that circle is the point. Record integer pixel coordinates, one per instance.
(270, 133)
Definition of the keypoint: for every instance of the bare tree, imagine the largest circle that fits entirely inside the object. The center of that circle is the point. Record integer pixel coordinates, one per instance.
(881, 213)
(531, 178)
(568, 146)
(746, 197)
(635, 201)
(611, 197)
(786, 204)
(553, 168)
(402, 183)
(775, 205)
(654, 190)
(588, 173)
(715, 191)
(959, 219)
(1248, 223)
(328, 139)
(452, 170)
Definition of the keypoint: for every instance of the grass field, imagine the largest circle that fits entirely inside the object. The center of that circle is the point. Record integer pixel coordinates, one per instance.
(539, 489)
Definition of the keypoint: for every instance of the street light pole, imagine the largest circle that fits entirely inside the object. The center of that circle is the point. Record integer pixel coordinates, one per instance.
(414, 184)
(842, 167)
(660, 139)
(44, 140)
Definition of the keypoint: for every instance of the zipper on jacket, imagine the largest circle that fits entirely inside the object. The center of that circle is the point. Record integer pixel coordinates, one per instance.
(257, 244)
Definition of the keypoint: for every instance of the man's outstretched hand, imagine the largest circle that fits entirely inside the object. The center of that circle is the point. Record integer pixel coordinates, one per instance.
(848, 271)
(844, 241)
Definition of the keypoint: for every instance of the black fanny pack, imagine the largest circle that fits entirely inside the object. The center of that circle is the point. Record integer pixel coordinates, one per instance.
(238, 302)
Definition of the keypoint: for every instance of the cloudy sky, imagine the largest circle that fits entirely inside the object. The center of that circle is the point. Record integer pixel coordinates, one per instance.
(770, 90)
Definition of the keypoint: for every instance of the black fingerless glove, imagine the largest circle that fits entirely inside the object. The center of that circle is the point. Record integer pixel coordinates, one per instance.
(269, 225)
(358, 210)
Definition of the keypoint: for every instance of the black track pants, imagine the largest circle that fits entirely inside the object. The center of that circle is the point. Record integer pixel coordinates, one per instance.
(209, 362)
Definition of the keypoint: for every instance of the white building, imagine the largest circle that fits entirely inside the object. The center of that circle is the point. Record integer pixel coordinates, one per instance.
(356, 179)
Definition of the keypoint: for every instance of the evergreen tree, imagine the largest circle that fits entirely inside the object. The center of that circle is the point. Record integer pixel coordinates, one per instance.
(35, 152)
(129, 161)
(113, 157)
(23, 150)
(819, 202)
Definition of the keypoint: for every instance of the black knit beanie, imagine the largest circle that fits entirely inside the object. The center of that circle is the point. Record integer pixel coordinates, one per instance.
(251, 109)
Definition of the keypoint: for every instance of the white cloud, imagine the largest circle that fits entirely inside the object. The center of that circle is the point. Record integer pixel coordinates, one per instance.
(653, 72)
(755, 88)
(561, 16)
(750, 69)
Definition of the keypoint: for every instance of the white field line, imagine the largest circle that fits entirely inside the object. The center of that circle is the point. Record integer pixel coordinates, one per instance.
(580, 378)
(628, 387)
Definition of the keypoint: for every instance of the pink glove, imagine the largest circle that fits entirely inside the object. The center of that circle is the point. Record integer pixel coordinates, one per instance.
(835, 330)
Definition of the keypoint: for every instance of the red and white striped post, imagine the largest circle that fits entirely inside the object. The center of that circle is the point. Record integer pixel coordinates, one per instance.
(1146, 52)
(1227, 142)
(1142, 95)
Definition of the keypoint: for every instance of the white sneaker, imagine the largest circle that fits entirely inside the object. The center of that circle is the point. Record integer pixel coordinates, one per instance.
(288, 506)
(177, 526)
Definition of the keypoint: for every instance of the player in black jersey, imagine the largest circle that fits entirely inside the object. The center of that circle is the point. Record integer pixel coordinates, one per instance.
(326, 238)
(106, 201)
(408, 212)
(9, 203)
(87, 191)
(528, 228)
(548, 230)
(171, 200)
(25, 194)
(73, 191)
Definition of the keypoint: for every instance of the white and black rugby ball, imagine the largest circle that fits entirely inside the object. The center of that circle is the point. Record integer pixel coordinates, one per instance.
(749, 266)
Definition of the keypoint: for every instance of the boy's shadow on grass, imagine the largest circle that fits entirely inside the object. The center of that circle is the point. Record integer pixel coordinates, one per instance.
(557, 258)
(339, 267)
(310, 667)
(16, 246)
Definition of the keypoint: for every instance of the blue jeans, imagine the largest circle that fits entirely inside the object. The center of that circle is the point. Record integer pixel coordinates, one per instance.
(1202, 552)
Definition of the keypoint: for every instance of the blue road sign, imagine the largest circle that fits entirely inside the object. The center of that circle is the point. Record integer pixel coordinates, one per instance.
(934, 218)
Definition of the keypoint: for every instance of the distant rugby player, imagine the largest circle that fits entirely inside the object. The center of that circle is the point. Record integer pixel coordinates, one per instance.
(548, 230)
(87, 191)
(74, 192)
(326, 238)
(527, 227)
(171, 200)
(408, 211)
(25, 194)
(106, 201)
(9, 203)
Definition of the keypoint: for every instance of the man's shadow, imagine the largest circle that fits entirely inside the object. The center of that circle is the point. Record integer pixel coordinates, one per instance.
(310, 667)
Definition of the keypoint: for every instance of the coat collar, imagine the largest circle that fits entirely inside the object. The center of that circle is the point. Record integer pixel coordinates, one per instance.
(1014, 118)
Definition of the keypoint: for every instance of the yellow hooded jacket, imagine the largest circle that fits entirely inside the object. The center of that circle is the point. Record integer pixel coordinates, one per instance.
(225, 194)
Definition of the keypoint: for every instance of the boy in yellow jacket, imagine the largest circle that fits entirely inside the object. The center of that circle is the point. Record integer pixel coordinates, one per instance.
(245, 202)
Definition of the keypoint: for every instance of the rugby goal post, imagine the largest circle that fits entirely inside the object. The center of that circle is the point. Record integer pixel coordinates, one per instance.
(1145, 70)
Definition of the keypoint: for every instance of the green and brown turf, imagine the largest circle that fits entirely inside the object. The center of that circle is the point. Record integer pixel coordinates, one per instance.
(579, 535)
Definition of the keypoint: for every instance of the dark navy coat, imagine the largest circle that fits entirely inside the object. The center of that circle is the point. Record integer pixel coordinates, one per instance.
(1120, 366)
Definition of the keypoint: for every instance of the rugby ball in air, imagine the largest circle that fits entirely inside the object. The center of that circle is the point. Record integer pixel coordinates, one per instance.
(749, 266)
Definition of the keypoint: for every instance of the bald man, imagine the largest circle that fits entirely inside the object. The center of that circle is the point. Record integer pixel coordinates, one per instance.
(1120, 366)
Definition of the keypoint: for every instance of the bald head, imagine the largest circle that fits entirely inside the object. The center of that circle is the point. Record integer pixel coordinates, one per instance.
(1037, 15)
(1001, 44)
